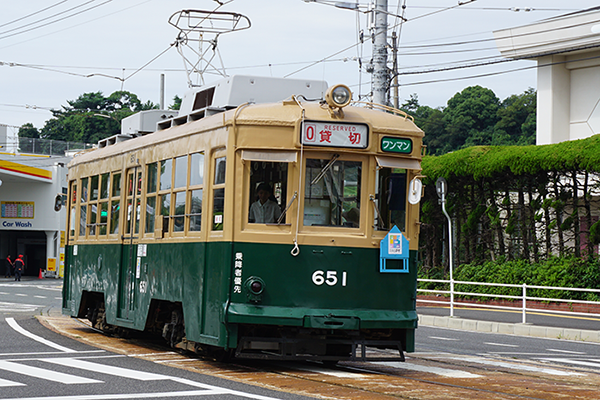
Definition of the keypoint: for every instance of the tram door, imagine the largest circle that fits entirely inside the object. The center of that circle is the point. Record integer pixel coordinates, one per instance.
(131, 227)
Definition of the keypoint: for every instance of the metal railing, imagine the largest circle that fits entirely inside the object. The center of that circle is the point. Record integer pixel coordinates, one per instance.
(520, 301)
(42, 146)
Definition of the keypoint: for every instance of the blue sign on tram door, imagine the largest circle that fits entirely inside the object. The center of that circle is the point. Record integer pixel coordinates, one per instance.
(394, 246)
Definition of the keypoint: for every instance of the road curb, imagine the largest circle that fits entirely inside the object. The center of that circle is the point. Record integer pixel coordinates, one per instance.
(511, 329)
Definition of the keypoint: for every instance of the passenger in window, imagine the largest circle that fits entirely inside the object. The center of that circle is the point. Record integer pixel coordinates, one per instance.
(264, 210)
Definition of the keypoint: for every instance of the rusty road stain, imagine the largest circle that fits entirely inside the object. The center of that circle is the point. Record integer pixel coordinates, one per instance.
(353, 380)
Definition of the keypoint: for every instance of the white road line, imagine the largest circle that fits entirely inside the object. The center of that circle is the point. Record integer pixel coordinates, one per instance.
(106, 369)
(7, 383)
(3, 293)
(164, 395)
(40, 297)
(501, 344)
(441, 338)
(522, 367)
(46, 374)
(566, 351)
(450, 373)
(325, 371)
(46, 353)
(18, 307)
(576, 362)
(13, 324)
(21, 295)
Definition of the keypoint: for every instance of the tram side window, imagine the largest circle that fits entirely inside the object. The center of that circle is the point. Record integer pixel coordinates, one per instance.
(164, 186)
(103, 204)
(152, 179)
(219, 194)
(391, 199)
(268, 190)
(93, 206)
(332, 193)
(73, 203)
(179, 193)
(115, 203)
(195, 190)
(83, 217)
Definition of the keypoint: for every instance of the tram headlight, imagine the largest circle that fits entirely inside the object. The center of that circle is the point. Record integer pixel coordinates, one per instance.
(255, 288)
(338, 96)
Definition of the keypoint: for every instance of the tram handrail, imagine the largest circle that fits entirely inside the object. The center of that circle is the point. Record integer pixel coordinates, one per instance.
(521, 303)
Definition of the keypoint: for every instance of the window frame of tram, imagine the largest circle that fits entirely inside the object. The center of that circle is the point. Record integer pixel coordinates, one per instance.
(391, 192)
(179, 196)
(130, 196)
(275, 174)
(218, 189)
(72, 208)
(323, 206)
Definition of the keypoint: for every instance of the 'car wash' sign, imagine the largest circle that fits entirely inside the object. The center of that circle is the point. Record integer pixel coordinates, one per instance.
(336, 134)
(16, 224)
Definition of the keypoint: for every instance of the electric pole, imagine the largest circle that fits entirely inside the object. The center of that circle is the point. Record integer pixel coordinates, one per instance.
(380, 69)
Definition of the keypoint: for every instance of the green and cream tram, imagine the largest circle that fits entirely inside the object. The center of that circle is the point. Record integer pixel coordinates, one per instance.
(161, 236)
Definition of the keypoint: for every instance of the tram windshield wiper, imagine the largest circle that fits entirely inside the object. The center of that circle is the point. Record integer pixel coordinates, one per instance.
(282, 216)
(325, 169)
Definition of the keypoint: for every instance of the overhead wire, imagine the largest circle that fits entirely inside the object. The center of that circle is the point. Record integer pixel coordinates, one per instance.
(52, 22)
(33, 13)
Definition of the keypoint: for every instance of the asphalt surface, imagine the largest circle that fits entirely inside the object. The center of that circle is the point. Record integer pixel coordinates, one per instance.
(515, 317)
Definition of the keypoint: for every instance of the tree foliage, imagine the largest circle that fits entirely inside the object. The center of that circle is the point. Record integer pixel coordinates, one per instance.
(92, 117)
(514, 202)
(476, 117)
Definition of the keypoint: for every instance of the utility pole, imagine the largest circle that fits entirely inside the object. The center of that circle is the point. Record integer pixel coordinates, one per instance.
(380, 69)
(396, 96)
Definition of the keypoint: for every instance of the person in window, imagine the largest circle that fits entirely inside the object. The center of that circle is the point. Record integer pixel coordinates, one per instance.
(264, 210)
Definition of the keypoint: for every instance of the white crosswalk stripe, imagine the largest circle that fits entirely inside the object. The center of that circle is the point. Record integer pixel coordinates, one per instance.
(7, 383)
(578, 362)
(17, 307)
(42, 373)
(106, 369)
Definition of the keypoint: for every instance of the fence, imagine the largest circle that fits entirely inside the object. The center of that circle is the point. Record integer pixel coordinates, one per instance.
(43, 146)
(521, 301)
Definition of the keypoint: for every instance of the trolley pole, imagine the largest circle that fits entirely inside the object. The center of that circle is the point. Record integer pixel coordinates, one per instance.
(380, 70)
(441, 187)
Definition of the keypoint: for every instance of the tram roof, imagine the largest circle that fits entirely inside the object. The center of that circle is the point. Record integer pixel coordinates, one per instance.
(286, 113)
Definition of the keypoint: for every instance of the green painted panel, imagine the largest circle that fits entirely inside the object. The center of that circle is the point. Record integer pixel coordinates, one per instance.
(211, 285)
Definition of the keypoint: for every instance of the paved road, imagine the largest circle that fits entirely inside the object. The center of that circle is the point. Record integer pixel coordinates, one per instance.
(37, 363)
(515, 317)
(487, 346)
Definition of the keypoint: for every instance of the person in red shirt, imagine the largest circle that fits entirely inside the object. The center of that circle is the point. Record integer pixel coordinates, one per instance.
(19, 267)
(9, 267)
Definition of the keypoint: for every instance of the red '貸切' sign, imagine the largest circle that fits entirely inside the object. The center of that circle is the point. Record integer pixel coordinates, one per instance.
(335, 134)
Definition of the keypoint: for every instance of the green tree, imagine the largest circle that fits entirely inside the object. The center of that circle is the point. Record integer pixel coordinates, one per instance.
(517, 120)
(470, 118)
(430, 120)
(28, 131)
(92, 117)
(176, 103)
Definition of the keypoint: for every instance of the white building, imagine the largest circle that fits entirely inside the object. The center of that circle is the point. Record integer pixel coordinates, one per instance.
(567, 51)
(32, 219)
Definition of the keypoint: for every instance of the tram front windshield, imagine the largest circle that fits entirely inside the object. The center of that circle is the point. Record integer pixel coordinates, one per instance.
(332, 193)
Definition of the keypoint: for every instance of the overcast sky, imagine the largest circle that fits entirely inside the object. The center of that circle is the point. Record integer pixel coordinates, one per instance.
(48, 47)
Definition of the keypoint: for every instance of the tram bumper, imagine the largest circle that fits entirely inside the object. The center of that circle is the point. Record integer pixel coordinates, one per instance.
(269, 332)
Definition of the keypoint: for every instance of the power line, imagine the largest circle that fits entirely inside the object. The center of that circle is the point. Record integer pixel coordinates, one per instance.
(34, 13)
(48, 18)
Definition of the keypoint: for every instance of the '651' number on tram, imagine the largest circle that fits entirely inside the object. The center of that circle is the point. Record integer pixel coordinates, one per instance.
(328, 277)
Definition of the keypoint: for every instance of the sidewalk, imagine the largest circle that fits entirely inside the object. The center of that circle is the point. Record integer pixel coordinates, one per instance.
(482, 321)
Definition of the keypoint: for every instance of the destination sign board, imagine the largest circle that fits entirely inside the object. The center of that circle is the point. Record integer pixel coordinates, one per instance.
(335, 134)
(396, 145)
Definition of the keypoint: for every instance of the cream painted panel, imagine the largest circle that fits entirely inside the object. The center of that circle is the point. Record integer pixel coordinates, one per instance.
(585, 93)
(580, 131)
(594, 121)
